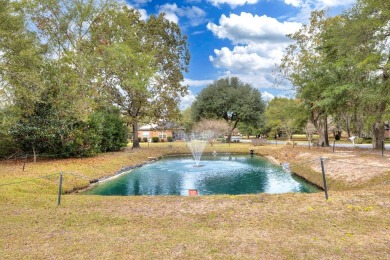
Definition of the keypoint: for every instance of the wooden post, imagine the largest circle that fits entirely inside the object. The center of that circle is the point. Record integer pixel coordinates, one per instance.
(383, 148)
(60, 190)
(323, 177)
(24, 163)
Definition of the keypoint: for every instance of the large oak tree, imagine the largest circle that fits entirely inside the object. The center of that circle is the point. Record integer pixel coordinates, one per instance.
(229, 95)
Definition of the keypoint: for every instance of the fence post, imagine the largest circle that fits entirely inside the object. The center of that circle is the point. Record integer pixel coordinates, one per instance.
(60, 189)
(383, 147)
(24, 163)
(323, 177)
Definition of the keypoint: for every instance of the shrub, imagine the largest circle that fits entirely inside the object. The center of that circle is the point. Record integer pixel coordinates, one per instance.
(155, 139)
(7, 144)
(367, 141)
(170, 139)
(139, 139)
(111, 128)
(359, 140)
(145, 139)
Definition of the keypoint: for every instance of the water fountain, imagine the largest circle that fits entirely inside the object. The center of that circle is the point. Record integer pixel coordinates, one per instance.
(196, 143)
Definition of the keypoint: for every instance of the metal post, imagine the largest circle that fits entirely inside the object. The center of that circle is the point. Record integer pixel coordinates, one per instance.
(334, 142)
(323, 177)
(24, 163)
(60, 190)
(383, 147)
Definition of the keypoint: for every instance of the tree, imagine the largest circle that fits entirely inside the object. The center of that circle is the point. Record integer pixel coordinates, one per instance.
(286, 115)
(213, 127)
(21, 62)
(304, 65)
(366, 26)
(48, 71)
(141, 64)
(340, 67)
(186, 120)
(248, 129)
(229, 95)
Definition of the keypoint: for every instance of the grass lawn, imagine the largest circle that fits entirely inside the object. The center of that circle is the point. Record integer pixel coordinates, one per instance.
(353, 224)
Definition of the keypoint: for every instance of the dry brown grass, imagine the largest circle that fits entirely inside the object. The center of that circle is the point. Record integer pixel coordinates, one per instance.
(352, 224)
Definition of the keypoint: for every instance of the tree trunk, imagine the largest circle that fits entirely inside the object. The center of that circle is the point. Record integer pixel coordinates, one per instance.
(289, 135)
(378, 135)
(35, 155)
(347, 119)
(135, 135)
(326, 133)
(229, 137)
(321, 124)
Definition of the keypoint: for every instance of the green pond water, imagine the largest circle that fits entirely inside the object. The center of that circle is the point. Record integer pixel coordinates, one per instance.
(221, 174)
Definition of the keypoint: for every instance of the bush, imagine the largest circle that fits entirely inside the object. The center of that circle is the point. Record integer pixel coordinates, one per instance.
(46, 133)
(7, 145)
(170, 139)
(162, 140)
(367, 141)
(155, 139)
(139, 139)
(145, 139)
(359, 140)
(111, 128)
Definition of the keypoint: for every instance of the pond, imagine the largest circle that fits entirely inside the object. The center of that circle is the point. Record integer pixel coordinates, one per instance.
(221, 174)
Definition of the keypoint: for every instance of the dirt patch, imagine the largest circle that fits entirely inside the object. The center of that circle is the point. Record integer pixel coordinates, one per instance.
(349, 166)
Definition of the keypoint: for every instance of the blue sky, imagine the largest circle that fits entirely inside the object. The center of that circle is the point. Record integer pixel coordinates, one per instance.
(242, 38)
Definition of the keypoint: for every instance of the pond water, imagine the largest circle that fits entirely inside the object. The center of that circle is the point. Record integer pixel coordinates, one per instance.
(222, 174)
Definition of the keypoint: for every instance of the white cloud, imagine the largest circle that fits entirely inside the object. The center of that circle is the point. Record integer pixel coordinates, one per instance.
(295, 3)
(197, 83)
(319, 4)
(307, 6)
(194, 14)
(187, 100)
(332, 3)
(257, 80)
(266, 96)
(232, 3)
(251, 58)
(263, 42)
(143, 12)
(170, 12)
(247, 28)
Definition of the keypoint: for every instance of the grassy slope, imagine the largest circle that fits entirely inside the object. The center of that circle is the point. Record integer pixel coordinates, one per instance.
(351, 224)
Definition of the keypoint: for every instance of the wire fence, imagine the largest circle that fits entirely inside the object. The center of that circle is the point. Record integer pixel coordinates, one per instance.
(60, 175)
(382, 165)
